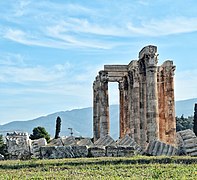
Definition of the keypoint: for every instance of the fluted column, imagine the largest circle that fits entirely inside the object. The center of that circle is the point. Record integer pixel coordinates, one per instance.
(96, 110)
(124, 119)
(167, 122)
(104, 104)
(161, 100)
(130, 103)
(143, 120)
(149, 56)
(121, 106)
(136, 105)
(170, 104)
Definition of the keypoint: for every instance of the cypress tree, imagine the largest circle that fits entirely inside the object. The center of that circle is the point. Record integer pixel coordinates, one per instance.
(58, 127)
(195, 120)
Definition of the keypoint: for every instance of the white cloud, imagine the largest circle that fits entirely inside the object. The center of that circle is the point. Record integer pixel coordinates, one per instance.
(163, 27)
(8, 59)
(21, 7)
(16, 71)
(62, 41)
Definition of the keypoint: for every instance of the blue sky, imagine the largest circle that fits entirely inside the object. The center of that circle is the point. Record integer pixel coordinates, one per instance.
(51, 51)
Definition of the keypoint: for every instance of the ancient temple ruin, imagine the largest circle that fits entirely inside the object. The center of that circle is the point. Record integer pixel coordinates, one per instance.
(146, 93)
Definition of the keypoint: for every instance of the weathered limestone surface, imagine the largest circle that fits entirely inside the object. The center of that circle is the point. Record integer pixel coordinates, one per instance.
(105, 141)
(69, 141)
(167, 125)
(127, 141)
(35, 146)
(59, 152)
(146, 92)
(158, 148)
(187, 142)
(97, 151)
(120, 151)
(149, 56)
(18, 145)
(56, 142)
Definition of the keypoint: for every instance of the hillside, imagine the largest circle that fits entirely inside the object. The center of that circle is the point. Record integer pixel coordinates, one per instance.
(81, 120)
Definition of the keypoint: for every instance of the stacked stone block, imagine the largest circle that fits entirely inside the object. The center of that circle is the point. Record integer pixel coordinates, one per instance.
(187, 142)
(35, 147)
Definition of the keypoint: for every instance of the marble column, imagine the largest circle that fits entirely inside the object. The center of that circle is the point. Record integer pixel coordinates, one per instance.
(124, 118)
(143, 120)
(96, 106)
(150, 58)
(104, 104)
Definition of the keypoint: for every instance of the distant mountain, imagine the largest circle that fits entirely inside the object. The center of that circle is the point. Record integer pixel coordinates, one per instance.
(185, 107)
(81, 120)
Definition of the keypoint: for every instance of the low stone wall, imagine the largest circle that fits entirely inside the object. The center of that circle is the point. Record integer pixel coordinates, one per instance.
(97, 151)
(120, 151)
(59, 152)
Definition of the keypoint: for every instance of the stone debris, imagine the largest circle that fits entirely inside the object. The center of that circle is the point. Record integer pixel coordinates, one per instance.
(35, 147)
(105, 141)
(56, 142)
(85, 142)
(187, 142)
(120, 151)
(18, 145)
(127, 141)
(59, 152)
(158, 148)
(97, 151)
(69, 141)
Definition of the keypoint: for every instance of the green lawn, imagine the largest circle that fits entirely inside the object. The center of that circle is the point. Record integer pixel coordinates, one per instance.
(102, 168)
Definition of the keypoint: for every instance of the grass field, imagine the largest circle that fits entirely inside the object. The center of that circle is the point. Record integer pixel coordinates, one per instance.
(102, 168)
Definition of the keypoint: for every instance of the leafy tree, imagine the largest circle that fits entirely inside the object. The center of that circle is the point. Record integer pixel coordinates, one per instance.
(58, 127)
(183, 123)
(40, 132)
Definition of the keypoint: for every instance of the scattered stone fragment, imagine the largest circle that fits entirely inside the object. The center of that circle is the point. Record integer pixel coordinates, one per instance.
(119, 151)
(97, 151)
(105, 141)
(69, 141)
(127, 141)
(85, 142)
(56, 142)
(158, 148)
(187, 142)
(126, 151)
(59, 152)
(35, 146)
(111, 151)
(80, 151)
(18, 145)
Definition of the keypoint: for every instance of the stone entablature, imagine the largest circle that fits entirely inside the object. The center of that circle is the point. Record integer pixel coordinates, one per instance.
(146, 99)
